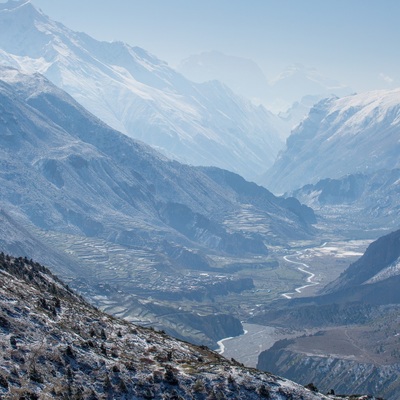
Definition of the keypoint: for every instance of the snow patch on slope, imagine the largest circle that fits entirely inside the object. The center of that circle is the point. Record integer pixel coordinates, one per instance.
(389, 272)
(366, 109)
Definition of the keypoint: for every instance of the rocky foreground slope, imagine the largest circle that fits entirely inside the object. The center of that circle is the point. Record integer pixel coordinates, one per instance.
(55, 345)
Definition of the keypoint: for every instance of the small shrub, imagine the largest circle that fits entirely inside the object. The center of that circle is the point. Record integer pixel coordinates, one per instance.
(170, 377)
(36, 376)
(311, 387)
(130, 366)
(13, 342)
(3, 382)
(122, 386)
(107, 383)
(114, 353)
(263, 392)
(115, 368)
(29, 396)
(69, 352)
(198, 386)
(157, 376)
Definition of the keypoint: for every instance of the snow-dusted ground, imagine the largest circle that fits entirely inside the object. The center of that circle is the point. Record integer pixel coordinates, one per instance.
(391, 270)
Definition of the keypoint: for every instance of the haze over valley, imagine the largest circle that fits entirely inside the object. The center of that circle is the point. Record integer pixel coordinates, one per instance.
(253, 215)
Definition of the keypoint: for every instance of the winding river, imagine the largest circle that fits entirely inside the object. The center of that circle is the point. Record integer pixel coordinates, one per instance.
(309, 279)
(257, 338)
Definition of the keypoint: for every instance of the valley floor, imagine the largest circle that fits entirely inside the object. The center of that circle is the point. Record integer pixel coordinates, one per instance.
(326, 262)
(257, 338)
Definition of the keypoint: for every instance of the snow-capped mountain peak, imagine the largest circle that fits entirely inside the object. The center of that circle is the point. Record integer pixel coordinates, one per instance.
(367, 108)
(312, 74)
(140, 95)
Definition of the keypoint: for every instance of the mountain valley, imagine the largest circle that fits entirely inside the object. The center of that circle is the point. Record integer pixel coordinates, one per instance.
(116, 213)
(136, 187)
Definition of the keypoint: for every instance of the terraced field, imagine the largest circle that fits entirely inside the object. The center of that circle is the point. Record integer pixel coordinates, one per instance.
(249, 220)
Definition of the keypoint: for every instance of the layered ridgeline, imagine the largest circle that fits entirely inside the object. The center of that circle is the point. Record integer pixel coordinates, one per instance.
(55, 345)
(291, 94)
(120, 220)
(355, 134)
(358, 320)
(138, 94)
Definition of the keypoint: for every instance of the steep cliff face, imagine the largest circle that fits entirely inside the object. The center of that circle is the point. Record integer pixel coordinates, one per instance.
(330, 372)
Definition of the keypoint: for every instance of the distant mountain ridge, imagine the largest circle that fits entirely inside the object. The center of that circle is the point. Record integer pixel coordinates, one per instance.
(139, 95)
(244, 76)
(298, 81)
(290, 95)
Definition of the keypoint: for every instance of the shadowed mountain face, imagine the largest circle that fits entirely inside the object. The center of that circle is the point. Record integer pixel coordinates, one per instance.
(379, 264)
(102, 208)
(54, 344)
(138, 94)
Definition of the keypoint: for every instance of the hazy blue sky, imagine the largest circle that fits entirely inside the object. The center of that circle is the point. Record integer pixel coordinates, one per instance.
(353, 41)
